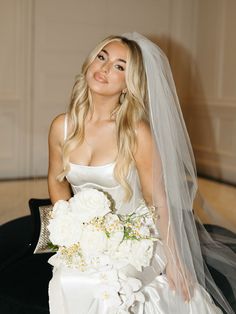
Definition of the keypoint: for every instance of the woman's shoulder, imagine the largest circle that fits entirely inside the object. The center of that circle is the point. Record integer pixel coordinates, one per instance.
(59, 120)
(58, 123)
(57, 127)
(62, 125)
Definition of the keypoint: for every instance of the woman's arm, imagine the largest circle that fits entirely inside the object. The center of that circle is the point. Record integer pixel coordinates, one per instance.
(147, 157)
(57, 190)
(144, 158)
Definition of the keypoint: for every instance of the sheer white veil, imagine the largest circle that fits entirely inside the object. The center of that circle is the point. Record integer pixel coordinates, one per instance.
(175, 173)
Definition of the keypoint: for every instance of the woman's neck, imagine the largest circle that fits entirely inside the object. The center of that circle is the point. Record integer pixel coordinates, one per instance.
(102, 107)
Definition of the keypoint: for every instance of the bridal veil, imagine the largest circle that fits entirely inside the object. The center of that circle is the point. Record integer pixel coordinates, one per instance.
(175, 173)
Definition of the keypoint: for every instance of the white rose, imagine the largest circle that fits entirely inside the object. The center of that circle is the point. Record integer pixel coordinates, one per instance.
(89, 203)
(60, 208)
(93, 242)
(65, 230)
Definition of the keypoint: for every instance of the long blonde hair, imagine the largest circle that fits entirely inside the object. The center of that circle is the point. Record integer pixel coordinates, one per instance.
(127, 114)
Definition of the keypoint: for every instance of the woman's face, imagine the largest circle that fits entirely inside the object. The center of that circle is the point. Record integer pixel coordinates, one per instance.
(106, 74)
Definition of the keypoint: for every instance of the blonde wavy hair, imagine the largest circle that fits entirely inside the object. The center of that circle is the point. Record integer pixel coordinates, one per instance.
(127, 114)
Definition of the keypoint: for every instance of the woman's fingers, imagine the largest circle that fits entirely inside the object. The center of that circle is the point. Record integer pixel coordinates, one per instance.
(180, 284)
(185, 292)
(171, 284)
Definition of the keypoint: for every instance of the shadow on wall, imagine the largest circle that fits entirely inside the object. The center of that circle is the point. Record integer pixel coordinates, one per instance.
(193, 102)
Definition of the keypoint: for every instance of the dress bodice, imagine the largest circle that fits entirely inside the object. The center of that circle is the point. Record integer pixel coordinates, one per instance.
(102, 177)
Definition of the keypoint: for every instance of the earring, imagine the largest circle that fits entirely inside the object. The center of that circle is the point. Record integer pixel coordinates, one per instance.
(122, 97)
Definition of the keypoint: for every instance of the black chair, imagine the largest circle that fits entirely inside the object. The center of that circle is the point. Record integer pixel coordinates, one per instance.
(24, 275)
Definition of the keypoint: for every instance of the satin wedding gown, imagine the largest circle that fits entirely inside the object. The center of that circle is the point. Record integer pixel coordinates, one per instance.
(74, 292)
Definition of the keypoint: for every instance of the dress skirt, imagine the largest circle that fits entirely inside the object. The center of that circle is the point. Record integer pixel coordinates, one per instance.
(74, 292)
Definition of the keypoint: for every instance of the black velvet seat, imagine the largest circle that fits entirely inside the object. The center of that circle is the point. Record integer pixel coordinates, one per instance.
(15, 238)
(24, 276)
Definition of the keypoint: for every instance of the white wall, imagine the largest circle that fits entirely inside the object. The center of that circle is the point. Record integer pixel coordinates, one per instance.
(15, 84)
(44, 42)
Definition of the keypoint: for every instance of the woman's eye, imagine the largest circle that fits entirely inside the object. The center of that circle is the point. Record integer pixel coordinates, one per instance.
(119, 67)
(100, 57)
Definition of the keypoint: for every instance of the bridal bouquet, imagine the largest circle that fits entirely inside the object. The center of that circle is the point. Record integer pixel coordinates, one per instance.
(86, 233)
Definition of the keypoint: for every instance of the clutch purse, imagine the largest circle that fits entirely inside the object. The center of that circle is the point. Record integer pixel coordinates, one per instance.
(43, 240)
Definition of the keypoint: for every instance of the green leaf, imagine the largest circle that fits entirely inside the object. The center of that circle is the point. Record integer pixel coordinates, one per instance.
(52, 247)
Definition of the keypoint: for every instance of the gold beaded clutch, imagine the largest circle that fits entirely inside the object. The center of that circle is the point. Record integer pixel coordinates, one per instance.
(43, 241)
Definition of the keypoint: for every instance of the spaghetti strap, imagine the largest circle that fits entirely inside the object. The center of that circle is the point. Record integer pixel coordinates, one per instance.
(65, 126)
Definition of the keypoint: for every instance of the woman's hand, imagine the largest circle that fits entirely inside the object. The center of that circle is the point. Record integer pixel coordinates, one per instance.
(179, 280)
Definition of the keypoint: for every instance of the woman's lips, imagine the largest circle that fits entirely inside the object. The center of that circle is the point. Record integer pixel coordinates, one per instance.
(100, 78)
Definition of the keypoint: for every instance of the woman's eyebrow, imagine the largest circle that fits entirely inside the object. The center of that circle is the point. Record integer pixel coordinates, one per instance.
(106, 52)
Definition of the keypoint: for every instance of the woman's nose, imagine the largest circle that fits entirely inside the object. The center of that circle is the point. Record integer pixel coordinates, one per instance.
(106, 67)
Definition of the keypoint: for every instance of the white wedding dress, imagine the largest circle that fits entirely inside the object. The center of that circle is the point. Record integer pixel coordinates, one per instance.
(74, 292)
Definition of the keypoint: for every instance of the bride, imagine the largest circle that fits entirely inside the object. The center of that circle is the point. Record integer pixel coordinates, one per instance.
(124, 133)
